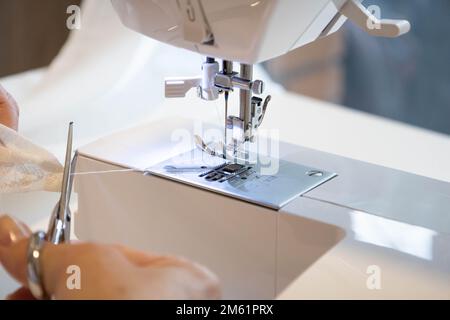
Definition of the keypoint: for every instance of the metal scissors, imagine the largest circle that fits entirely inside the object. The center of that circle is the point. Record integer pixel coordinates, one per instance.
(59, 225)
(58, 230)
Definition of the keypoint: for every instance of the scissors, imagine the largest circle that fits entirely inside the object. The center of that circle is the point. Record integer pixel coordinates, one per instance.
(59, 225)
(58, 230)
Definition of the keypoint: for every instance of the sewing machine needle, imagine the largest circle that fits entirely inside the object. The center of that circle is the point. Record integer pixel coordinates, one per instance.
(225, 127)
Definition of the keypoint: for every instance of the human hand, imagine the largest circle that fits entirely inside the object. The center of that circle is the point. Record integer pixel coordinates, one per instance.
(107, 271)
(9, 110)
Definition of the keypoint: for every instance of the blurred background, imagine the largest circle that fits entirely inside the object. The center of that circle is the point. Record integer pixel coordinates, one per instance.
(406, 79)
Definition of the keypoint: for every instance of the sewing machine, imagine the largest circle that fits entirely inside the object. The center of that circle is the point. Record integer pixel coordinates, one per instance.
(247, 32)
(258, 211)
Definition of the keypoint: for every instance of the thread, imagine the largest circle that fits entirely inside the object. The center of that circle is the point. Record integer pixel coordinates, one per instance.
(105, 171)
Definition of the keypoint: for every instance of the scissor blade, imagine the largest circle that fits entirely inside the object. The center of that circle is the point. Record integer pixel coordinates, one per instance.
(66, 176)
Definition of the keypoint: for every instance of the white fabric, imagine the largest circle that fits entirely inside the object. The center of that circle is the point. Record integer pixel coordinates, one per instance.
(25, 166)
(105, 78)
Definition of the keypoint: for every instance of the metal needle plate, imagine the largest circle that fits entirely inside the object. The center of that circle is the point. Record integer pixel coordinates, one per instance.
(270, 182)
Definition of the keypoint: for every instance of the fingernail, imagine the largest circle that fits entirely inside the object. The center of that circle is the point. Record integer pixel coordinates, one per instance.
(11, 236)
(12, 231)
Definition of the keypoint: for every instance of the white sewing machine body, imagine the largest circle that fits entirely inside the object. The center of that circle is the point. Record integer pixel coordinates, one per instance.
(245, 31)
(368, 215)
(359, 218)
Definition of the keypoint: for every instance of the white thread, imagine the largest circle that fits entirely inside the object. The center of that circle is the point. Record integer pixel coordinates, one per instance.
(105, 171)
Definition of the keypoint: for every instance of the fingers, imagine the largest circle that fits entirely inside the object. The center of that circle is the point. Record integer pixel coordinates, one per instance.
(109, 271)
(12, 230)
(53, 262)
(143, 259)
(9, 110)
(96, 261)
(14, 259)
(13, 242)
(136, 257)
(14, 238)
(104, 272)
(183, 278)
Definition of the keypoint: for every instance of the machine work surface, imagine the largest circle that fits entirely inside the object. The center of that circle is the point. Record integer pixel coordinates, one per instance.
(253, 183)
